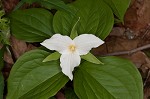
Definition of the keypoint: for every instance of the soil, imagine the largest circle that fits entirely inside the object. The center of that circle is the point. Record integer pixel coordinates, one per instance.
(131, 41)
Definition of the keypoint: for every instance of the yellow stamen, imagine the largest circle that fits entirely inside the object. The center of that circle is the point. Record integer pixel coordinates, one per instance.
(72, 48)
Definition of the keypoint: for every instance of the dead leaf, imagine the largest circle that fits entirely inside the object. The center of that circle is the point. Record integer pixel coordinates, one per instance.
(139, 58)
(138, 15)
(30, 47)
(60, 95)
(117, 31)
(8, 58)
(18, 47)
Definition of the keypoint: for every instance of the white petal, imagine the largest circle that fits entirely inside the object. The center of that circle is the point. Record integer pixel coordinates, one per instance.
(85, 42)
(69, 62)
(58, 42)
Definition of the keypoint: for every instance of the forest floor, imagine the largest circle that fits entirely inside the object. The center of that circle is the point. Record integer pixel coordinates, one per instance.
(131, 41)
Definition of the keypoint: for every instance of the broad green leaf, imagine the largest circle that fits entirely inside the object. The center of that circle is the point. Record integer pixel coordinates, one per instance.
(70, 94)
(56, 4)
(30, 78)
(119, 7)
(29, 1)
(116, 79)
(1, 85)
(74, 32)
(31, 25)
(51, 57)
(24, 1)
(49, 4)
(91, 58)
(96, 17)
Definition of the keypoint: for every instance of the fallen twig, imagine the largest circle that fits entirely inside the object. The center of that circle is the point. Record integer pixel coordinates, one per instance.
(128, 52)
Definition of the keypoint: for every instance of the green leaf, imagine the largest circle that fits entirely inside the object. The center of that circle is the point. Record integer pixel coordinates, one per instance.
(96, 17)
(30, 78)
(23, 2)
(116, 79)
(49, 4)
(51, 57)
(70, 94)
(91, 58)
(30, 1)
(74, 32)
(1, 85)
(32, 25)
(56, 4)
(119, 7)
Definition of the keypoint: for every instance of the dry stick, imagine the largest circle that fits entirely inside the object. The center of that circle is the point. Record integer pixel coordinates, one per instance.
(128, 52)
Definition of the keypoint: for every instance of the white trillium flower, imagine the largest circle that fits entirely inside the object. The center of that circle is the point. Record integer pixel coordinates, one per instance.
(71, 49)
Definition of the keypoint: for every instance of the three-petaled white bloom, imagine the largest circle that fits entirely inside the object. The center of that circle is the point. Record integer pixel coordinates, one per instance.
(71, 49)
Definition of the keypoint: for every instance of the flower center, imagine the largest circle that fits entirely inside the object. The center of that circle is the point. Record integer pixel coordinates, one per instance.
(72, 48)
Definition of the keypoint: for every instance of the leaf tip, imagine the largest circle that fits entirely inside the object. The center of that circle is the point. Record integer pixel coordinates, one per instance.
(44, 61)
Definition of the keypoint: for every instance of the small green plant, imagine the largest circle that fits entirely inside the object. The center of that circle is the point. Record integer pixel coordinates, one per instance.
(4, 28)
(4, 42)
(38, 73)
